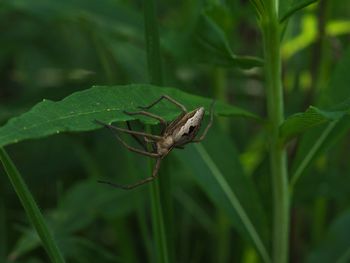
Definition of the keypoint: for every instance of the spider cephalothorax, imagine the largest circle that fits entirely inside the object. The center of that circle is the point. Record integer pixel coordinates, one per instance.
(176, 134)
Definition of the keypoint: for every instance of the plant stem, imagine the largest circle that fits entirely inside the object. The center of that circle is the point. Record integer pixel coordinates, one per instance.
(272, 34)
(154, 61)
(3, 237)
(220, 93)
(222, 224)
(158, 197)
(158, 224)
(31, 208)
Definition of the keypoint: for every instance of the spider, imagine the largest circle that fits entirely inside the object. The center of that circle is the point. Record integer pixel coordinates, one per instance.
(176, 134)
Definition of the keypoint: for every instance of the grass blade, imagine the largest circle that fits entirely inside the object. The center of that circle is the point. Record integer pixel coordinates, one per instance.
(234, 202)
(310, 155)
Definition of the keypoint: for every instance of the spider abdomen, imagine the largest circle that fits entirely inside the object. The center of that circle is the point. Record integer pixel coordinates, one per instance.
(189, 127)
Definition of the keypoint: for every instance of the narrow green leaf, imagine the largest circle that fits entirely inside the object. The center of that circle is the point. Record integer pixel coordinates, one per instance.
(31, 208)
(301, 122)
(210, 45)
(78, 111)
(217, 170)
(336, 245)
(310, 146)
(27, 242)
(288, 8)
(235, 203)
(311, 153)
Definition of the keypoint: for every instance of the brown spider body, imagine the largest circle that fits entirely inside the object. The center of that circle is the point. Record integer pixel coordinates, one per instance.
(176, 134)
(180, 131)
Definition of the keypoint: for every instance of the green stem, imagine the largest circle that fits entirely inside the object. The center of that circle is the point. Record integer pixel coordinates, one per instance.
(272, 34)
(31, 208)
(154, 61)
(158, 219)
(158, 224)
(3, 236)
(156, 77)
(220, 93)
(222, 225)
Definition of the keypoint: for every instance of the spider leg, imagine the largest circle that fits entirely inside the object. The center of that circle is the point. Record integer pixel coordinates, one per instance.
(153, 143)
(133, 149)
(154, 147)
(201, 138)
(153, 155)
(130, 148)
(180, 147)
(140, 142)
(148, 114)
(111, 127)
(178, 104)
(141, 182)
(148, 140)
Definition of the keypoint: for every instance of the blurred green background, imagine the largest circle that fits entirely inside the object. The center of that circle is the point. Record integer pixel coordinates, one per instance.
(50, 49)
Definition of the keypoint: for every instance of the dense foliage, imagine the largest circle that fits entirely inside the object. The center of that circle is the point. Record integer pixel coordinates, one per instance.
(64, 64)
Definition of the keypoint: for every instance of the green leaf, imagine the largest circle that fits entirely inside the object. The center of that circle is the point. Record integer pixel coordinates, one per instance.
(301, 122)
(78, 111)
(311, 151)
(80, 249)
(76, 248)
(31, 208)
(216, 168)
(316, 141)
(312, 117)
(336, 91)
(336, 245)
(27, 242)
(288, 8)
(73, 214)
(210, 45)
